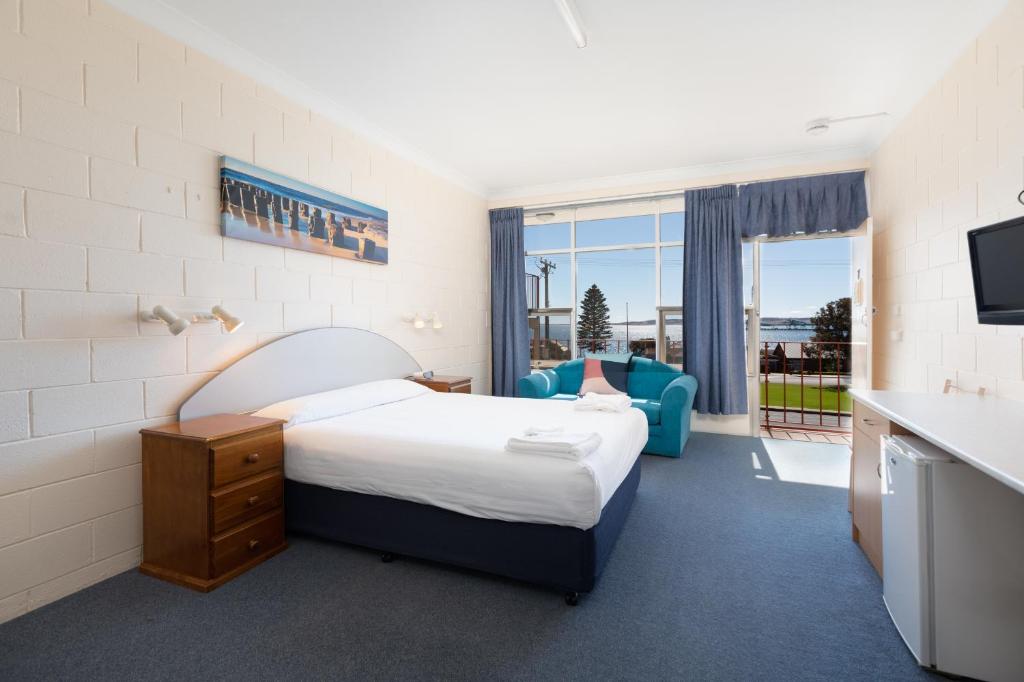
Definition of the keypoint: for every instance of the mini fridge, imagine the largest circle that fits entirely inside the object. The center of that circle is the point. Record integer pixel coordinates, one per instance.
(953, 558)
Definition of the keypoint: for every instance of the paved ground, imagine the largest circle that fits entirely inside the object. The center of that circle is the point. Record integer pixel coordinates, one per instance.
(808, 436)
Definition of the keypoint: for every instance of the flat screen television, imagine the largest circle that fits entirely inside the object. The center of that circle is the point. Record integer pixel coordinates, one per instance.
(997, 264)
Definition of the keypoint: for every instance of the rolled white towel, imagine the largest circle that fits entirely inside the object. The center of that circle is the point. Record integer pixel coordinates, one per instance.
(617, 402)
(564, 445)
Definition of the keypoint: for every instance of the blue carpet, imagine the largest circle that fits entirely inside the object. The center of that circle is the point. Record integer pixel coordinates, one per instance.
(718, 575)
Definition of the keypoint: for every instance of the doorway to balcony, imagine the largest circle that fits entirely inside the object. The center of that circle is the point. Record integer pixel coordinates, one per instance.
(808, 299)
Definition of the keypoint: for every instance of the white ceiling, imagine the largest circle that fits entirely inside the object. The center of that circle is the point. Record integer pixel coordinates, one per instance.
(496, 92)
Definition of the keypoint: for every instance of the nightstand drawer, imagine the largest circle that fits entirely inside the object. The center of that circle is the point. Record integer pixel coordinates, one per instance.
(246, 500)
(246, 457)
(247, 542)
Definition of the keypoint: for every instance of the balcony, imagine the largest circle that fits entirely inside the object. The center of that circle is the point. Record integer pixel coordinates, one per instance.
(804, 388)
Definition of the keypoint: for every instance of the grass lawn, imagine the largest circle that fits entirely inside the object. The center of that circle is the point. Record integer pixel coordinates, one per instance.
(826, 397)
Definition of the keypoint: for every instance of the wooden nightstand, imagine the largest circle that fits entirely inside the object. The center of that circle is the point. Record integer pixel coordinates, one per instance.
(212, 498)
(447, 384)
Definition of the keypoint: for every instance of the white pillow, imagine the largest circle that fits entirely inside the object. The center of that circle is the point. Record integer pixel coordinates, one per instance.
(309, 408)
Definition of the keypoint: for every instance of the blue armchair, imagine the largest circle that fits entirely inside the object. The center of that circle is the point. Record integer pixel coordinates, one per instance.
(665, 395)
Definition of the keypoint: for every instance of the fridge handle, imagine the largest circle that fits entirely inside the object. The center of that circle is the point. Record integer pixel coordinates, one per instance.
(890, 443)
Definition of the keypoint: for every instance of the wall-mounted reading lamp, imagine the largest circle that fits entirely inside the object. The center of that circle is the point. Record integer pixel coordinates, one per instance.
(419, 322)
(177, 324)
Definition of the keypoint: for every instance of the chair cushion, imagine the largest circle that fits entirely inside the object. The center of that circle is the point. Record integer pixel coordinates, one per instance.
(649, 385)
(603, 376)
(650, 408)
(570, 376)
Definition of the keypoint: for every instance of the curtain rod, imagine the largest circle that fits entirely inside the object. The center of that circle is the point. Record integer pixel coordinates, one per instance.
(671, 194)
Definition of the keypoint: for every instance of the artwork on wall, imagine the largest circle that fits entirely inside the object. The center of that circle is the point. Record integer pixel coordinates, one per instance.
(261, 206)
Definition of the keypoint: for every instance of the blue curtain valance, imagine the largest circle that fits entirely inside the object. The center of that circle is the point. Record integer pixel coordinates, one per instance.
(821, 203)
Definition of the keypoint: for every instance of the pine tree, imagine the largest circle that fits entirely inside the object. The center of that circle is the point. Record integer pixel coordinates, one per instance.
(593, 328)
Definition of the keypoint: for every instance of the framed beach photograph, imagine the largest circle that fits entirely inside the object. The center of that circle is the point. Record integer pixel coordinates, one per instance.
(262, 206)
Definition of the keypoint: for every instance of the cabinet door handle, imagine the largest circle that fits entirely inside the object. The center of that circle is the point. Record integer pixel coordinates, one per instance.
(254, 545)
(878, 469)
(253, 457)
(867, 421)
(253, 500)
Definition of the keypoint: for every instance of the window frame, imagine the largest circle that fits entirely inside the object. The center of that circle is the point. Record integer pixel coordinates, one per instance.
(621, 209)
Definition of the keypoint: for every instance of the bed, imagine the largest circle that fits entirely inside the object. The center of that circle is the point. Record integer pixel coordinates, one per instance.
(392, 466)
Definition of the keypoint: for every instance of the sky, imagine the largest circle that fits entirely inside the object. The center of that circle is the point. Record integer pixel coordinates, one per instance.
(797, 277)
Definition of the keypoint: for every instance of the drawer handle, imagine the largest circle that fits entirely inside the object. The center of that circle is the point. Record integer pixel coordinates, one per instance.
(253, 457)
(867, 421)
(253, 500)
(254, 545)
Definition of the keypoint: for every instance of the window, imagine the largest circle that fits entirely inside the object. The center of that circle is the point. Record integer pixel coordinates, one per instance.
(626, 280)
(672, 226)
(544, 237)
(632, 252)
(615, 231)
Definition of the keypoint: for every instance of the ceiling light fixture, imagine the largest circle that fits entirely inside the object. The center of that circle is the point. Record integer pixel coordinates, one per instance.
(820, 126)
(571, 16)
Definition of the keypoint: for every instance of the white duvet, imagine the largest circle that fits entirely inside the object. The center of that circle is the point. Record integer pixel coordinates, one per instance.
(448, 450)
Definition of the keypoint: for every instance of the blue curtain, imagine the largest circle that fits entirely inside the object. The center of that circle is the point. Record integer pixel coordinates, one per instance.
(821, 203)
(713, 348)
(510, 333)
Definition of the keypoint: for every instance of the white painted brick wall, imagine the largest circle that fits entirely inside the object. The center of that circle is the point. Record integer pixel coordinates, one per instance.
(71, 220)
(136, 358)
(29, 263)
(10, 314)
(110, 138)
(281, 285)
(39, 165)
(124, 272)
(956, 162)
(69, 315)
(70, 408)
(38, 364)
(14, 416)
(12, 211)
(41, 461)
(63, 123)
(8, 107)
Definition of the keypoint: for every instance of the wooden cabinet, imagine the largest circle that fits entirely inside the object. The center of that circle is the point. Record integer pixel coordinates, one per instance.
(212, 498)
(447, 384)
(866, 479)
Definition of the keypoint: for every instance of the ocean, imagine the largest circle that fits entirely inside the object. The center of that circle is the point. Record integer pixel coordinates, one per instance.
(560, 332)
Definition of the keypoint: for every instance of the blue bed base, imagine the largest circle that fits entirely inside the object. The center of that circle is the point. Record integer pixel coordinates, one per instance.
(558, 557)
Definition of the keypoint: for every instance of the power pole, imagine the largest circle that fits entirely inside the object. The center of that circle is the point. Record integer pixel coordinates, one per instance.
(545, 267)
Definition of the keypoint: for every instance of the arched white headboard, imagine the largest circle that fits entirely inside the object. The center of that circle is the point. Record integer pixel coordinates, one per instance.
(300, 364)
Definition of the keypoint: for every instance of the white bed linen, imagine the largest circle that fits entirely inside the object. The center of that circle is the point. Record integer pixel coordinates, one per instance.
(448, 450)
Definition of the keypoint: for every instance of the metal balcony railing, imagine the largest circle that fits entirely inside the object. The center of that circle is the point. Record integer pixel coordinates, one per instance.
(803, 385)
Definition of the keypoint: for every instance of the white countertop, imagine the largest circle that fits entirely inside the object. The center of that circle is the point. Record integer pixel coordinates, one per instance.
(985, 431)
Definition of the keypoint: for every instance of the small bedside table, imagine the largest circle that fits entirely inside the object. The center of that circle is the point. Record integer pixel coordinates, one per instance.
(212, 498)
(447, 384)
